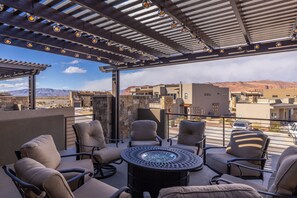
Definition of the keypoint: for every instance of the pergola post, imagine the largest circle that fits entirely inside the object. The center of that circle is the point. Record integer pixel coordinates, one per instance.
(32, 91)
(116, 105)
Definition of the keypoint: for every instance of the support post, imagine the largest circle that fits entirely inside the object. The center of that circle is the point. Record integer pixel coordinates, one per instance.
(32, 91)
(116, 104)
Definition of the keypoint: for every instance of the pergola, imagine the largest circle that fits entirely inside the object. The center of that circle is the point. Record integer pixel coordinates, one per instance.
(135, 34)
(16, 69)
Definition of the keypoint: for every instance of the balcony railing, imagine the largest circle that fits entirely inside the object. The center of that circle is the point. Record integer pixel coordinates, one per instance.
(218, 129)
(69, 132)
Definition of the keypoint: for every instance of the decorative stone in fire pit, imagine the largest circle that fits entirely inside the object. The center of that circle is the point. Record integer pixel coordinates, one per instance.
(151, 168)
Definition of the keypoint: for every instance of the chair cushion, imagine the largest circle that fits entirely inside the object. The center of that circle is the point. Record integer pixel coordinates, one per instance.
(95, 188)
(218, 162)
(247, 144)
(90, 134)
(47, 179)
(85, 164)
(143, 130)
(192, 149)
(215, 191)
(190, 132)
(145, 143)
(43, 150)
(108, 154)
(285, 179)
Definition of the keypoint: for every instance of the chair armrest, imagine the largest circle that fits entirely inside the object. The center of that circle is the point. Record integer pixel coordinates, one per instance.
(79, 176)
(223, 180)
(248, 167)
(158, 138)
(200, 144)
(170, 139)
(120, 191)
(115, 140)
(88, 146)
(146, 194)
(246, 159)
(77, 154)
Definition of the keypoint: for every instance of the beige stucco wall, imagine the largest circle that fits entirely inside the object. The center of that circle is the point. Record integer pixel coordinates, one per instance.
(280, 93)
(253, 110)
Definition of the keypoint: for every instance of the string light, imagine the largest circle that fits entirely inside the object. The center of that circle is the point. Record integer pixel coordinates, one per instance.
(76, 55)
(121, 48)
(89, 56)
(146, 4)
(46, 48)
(161, 13)
(94, 40)
(78, 34)
(63, 51)
(29, 44)
(1, 7)
(239, 48)
(184, 29)
(108, 43)
(7, 41)
(173, 25)
(57, 28)
(222, 50)
(31, 18)
(98, 58)
(257, 46)
(278, 44)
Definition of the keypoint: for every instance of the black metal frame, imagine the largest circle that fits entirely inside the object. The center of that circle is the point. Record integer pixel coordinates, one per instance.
(234, 161)
(105, 170)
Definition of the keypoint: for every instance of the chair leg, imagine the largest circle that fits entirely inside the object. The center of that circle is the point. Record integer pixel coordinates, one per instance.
(105, 171)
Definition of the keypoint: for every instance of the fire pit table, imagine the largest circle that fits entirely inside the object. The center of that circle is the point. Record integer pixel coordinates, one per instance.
(151, 168)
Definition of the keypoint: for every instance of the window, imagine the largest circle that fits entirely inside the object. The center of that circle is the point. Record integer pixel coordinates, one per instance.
(207, 94)
(186, 96)
(215, 107)
(274, 96)
(288, 95)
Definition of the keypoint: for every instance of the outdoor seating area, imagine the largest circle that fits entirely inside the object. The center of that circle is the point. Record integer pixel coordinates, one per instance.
(117, 156)
(152, 171)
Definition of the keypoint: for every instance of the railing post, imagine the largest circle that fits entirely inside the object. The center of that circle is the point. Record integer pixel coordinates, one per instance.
(65, 122)
(167, 120)
(223, 131)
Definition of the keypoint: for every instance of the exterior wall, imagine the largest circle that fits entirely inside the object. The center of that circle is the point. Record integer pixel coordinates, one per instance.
(129, 105)
(209, 99)
(279, 93)
(16, 132)
(253, 111)
(187, 90)
(11, 103)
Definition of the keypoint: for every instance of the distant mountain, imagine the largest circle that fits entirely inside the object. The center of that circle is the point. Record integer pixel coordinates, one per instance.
(41, 92)
(256, 85)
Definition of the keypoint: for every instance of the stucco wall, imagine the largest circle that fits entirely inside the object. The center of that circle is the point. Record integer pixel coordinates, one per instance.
(253, 110)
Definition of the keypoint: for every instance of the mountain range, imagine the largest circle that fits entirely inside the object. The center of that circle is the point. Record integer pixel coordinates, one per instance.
(41, 92)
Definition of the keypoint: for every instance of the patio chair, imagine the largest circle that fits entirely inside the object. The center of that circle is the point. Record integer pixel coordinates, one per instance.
(35, 180)
(90, 139)
(245, 147)
(282, 182)
(144, 133)
(215, 191)
(43, 150)
(190, 136)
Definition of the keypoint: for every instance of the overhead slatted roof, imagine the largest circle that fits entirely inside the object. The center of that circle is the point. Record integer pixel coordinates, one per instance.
(130, 36)
(15, 69)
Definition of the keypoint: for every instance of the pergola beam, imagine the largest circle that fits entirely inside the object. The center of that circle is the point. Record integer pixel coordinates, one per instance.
(61, 18)
(242, 26)
(265, 48)
(175, 12)
(112, 13)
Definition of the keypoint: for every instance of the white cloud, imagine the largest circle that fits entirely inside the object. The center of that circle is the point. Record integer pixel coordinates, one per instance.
(74, 62)
(15, 80)
(74, 70)
(281, 66)
(9, 87)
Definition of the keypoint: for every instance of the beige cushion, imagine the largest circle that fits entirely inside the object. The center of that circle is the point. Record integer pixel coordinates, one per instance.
(192, 149)
(247, 144)
(190, 132)
(218, 162)
(85, 164)
(215, 191)
(46, 179)
(43, 150)
(285, 179)
(145, 143)
(143, 130)
(95, 188)
(108, 154)
(90, 134)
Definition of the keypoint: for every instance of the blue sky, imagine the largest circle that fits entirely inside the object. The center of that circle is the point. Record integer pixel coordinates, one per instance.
(76, 74)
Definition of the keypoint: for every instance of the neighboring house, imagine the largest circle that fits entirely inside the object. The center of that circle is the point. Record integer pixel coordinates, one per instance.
(279, 93)
(83, 98)
(280, 109)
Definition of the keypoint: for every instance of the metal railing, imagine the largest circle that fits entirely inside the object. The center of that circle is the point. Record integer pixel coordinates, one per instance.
(69, 132)
(218, 129)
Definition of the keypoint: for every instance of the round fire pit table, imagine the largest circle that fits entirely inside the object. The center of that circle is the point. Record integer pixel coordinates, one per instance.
(151, 168)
